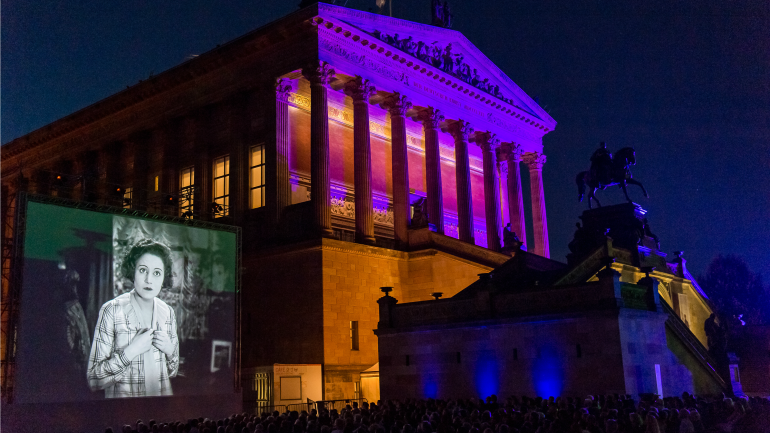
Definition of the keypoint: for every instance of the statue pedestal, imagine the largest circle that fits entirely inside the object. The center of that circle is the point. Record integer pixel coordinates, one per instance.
(624, 223)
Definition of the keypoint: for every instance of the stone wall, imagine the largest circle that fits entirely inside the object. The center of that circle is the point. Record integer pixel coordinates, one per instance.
(298, 302)
(606, 351)
(352, 276)
(534, 356)
(669, 288)
(605, 336)
(282, 294)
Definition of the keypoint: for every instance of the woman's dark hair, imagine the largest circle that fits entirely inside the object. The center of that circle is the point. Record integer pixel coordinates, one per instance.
(147, 246)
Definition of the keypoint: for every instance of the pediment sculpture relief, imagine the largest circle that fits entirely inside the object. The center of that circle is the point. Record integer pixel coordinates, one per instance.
(443, 59)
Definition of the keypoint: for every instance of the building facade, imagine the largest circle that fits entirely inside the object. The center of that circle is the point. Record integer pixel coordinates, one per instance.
(618, 318)
(319, 134)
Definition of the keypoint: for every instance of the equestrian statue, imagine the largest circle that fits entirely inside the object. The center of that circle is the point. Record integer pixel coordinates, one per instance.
(608, 170)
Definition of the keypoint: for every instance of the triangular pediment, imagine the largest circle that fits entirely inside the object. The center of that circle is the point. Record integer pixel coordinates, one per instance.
(446, 50)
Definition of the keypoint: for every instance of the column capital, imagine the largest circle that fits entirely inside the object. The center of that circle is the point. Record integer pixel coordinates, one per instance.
(430, 117)
(534, 160)
(319, 73)
(502, 163)
(283, 87)
(360, 89)
(486, 140)
(460, 130)
(396, 104)
(514, 152)
(502, 154)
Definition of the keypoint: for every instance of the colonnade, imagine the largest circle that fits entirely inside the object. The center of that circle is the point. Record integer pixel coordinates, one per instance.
(494, 153)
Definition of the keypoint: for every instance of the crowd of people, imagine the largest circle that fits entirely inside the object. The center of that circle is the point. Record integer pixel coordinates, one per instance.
(594, 414)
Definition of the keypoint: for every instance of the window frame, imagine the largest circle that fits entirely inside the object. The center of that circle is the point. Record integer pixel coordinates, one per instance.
(128, 197)
(186, 192)
(225, 197)
(257, 187)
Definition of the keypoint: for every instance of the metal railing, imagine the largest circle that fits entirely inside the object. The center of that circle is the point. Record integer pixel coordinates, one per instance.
(338, 404)
(259, 409)
(299, 407)
(329, 405)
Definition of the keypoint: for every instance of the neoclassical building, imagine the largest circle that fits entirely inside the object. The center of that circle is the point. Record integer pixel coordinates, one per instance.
(318, 134)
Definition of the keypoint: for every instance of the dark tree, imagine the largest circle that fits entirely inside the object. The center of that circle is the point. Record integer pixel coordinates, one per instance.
(735, 290)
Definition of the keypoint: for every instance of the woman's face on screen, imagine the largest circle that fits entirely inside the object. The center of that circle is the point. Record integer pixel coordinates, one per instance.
(148, 276)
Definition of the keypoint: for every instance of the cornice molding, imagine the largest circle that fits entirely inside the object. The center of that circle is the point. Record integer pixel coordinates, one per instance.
(357, 20)
(261, 39)
(107, 118)
(362, 49)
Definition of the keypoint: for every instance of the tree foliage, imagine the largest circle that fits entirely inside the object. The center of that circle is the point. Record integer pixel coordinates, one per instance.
(735, 290)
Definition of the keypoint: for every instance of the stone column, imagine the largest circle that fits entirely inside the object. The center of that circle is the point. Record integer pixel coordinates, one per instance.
(535, 163)
(140, 175)
(360, 90)
(460, 130)
(430, 119)
(502, 172)
(111, 176)
(513, 154)
(79, 176)
(204, 136)
(488, 144)
(239, 147)
(319, 75)
(283, 87)
(397, 105)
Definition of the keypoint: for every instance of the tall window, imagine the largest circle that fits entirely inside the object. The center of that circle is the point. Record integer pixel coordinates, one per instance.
(128, 194)
(221, 206)
(257, 176)
(354, 335)
(186, 191)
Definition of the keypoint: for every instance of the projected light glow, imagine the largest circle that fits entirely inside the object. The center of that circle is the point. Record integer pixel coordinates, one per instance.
(487, 382)
(548, 373)
(430, 388)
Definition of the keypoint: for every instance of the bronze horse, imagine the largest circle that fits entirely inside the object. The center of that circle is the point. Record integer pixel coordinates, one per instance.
(616, 172)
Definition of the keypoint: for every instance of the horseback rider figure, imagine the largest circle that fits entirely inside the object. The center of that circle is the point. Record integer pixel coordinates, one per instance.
(601, 164)
(608, 170)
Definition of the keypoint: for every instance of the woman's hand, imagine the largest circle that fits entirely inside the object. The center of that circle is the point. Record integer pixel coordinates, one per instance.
(162, 342)
(141, 343)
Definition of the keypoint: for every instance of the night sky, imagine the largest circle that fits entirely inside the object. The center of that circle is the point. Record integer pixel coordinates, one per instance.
(686, 83)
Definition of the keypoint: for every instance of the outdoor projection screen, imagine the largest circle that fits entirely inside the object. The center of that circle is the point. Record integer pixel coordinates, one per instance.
(94, 281)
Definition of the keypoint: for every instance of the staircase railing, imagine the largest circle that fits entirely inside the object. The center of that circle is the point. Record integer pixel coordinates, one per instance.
(678, 327)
